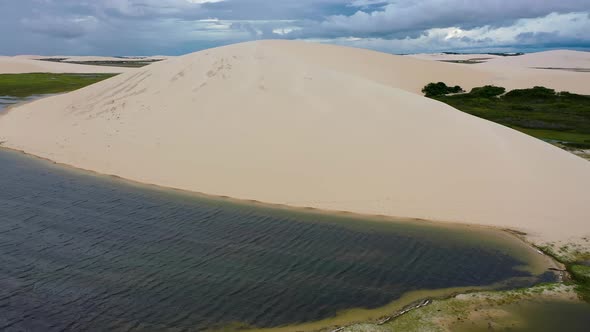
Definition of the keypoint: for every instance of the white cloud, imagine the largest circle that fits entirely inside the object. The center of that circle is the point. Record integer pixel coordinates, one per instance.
(409, 16)
(203, 1)
(285, 30)
(546, 31)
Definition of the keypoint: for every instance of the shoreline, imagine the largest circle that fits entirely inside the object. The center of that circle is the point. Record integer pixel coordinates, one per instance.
(562, 290)
(478, 307)
(235, 200)
(514, 233)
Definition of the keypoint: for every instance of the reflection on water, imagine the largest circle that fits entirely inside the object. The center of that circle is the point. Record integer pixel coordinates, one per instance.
(82, 252)
(7, 101)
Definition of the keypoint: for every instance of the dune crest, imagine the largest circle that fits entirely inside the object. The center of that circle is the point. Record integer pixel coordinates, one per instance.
(312, 126)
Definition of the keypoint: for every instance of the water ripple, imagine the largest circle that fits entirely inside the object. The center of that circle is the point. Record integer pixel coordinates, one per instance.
(84, 253)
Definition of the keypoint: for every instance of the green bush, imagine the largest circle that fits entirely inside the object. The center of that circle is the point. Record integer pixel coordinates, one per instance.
(562, 117)
(440, 89)
(487, 91)
(581, 275)
(537, 92)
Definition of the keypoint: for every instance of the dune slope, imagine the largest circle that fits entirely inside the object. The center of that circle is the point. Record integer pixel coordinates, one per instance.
(283, 122)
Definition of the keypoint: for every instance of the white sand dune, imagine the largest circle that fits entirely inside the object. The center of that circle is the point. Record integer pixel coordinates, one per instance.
(547, 59)
(19, 64)
(314, 126)
(110, 58)
(453, 57)
(523, 71)
(86, 58)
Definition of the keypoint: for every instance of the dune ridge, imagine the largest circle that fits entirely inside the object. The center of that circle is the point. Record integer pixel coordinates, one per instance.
(312, 125)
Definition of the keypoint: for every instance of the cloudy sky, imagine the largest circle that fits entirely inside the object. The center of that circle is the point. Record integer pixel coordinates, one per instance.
(150, 27)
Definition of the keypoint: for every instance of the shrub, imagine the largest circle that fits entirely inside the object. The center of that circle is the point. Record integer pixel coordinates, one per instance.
(440, 89)
(537, 92)
(487, 91)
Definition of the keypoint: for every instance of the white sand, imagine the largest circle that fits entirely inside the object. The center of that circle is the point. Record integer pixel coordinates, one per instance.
(548, 59)
(521, 71)
(109, 58)
(313, 125)
(18, 65)
(86, 58)
(453, 57)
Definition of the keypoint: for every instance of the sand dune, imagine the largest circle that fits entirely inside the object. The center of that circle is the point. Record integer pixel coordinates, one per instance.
(524, 71)
(19, 64)
(110, 58)
(313, 126)
(453, 57)
(548, 59)
(85, 58)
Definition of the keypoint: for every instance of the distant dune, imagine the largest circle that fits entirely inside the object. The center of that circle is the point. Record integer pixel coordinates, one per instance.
(24, 64)
(548, 59)
(319, 126)
(453, 57)
(86, 58)
(562, 70)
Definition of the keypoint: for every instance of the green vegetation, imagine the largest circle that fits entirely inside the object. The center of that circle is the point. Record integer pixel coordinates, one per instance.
(557, 117)
(581, 275)
(572, 257)
(481, 311)
(440, 89)
(487, 91)
(24, 85)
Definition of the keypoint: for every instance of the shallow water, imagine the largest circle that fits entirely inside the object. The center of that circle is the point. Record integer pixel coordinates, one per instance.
(7, 101)
(86, 252)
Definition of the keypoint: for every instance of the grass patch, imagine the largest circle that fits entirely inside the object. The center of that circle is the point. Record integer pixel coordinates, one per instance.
(468, 309)
(581, 276)
(24, 85)
(572, 257)
(560, 117)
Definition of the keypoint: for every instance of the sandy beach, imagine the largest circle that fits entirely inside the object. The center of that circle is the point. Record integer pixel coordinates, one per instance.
(320, 126)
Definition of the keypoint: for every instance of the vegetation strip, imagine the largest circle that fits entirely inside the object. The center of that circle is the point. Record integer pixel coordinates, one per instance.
(561, 118)
(25, 85)
(111, 63)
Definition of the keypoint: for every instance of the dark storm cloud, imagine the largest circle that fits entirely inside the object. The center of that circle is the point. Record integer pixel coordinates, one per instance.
(177, 26)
